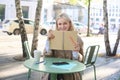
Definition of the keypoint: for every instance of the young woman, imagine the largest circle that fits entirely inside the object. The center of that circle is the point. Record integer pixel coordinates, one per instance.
(64, 23)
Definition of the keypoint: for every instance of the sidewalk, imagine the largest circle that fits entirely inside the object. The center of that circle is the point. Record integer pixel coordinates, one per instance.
(106, 68)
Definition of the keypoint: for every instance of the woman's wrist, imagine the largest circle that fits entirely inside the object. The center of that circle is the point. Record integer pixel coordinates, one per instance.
(75, 54)
(47, 46)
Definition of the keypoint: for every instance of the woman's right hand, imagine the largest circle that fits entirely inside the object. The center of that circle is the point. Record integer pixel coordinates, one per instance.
(50, 34)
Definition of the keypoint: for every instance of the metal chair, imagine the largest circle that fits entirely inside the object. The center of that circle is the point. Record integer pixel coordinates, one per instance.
(91, 56)
(27, 50)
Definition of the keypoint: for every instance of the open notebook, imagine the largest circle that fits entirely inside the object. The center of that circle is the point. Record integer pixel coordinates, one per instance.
(64, 40)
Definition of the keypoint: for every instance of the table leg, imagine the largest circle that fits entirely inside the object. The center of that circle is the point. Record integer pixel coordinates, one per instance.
(29, 74)
(53, 76)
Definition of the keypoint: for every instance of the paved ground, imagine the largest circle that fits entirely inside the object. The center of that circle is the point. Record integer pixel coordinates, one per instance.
(14, 70)
(11, 69)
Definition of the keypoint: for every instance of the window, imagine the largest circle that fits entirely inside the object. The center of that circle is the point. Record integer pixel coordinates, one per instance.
(112, 20)
(96, 14)
(109, 10)
(112, 14)
(2, 12)
(16, 21)
(109, 14)
(97, 19)
(92, 19)
(25, 11)
(116, 10)
(28, 22)
(119, 20)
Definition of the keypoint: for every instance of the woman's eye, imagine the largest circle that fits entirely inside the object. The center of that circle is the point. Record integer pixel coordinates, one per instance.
(59, 23)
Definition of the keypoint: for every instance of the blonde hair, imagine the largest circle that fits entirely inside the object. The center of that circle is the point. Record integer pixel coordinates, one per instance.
(66, 17)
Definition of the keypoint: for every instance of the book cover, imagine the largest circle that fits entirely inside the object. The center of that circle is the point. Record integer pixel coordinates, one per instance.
(64, 40)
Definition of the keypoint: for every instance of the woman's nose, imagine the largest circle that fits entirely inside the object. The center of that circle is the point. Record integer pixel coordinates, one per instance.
(62, 26)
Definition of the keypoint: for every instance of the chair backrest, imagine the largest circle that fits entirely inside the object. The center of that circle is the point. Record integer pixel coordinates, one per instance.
(27, 49)
(91, 55)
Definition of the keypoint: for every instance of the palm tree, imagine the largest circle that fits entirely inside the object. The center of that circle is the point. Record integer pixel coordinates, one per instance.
(21, 25)
(36, 27)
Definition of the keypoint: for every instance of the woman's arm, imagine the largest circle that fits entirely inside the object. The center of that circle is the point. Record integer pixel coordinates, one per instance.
(81, 51)
(78, 52)
(47, 51)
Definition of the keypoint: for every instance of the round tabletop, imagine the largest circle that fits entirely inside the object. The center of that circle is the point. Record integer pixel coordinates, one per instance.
(49, 67)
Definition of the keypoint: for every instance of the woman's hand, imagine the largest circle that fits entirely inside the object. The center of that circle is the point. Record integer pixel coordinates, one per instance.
(77, 47)
(50, 34)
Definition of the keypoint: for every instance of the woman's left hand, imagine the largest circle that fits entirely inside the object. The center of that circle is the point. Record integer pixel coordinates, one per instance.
(77, 47)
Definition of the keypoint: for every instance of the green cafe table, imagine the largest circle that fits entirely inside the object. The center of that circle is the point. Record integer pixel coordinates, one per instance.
(48, 67)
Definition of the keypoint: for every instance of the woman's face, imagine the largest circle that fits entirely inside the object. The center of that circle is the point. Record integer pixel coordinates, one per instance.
(63, 24)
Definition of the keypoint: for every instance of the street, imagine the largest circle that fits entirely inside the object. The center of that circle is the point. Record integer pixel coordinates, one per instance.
(14, 41)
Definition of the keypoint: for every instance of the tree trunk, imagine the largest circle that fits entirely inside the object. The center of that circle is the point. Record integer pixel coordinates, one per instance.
(106, 36)
(117, 43)
(88, 30)
(36, 26)
(21, 25)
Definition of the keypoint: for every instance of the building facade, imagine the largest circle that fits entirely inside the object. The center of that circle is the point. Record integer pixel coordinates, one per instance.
(113, 8)
(9, 10)
(49, 10)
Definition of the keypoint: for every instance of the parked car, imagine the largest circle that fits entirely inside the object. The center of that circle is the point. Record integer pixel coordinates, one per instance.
(12, 27)
(95, 29)
(51, 24)
(44, 29)
(47, 26)
(80, 27)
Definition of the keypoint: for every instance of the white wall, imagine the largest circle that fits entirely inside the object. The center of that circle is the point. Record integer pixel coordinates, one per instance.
(10, 10)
